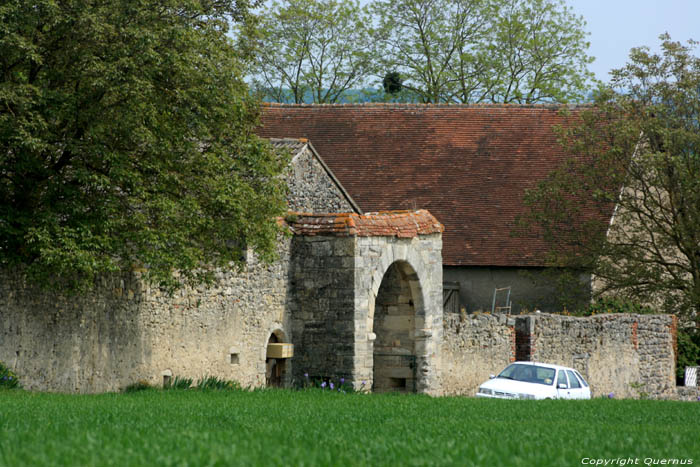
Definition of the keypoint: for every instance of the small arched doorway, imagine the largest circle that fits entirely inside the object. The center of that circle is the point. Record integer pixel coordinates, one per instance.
(277, 354)
(394, 325)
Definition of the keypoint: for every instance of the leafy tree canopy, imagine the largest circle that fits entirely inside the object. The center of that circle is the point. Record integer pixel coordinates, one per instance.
(126, 141)
(640, 152)
(312, 50)
(511, 51)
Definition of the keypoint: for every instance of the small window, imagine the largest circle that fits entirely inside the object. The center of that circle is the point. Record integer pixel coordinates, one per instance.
(561, 379)
(573, 380)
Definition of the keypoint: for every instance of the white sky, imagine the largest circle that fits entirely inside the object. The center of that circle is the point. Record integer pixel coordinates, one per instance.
(618, 25)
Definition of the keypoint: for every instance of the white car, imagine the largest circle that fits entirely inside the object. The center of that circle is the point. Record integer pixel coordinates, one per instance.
(532, 380)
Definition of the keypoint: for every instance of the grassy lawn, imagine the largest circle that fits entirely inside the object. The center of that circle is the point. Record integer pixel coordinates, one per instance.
(278, 427)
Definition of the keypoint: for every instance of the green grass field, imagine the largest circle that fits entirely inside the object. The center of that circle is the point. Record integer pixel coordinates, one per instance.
(277, 427)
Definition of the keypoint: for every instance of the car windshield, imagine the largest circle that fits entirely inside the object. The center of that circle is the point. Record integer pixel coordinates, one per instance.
(529, 374)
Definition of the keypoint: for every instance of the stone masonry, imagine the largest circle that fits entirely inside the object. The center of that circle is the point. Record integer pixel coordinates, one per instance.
(627, 355)
(338, 265)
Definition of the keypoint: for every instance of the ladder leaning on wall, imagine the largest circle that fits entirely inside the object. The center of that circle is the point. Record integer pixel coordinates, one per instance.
(506, 307)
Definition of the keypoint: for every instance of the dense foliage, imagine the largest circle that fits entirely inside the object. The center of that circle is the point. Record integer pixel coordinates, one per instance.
(126, 141)
(312, 50)
(639, 162)
(512, 51)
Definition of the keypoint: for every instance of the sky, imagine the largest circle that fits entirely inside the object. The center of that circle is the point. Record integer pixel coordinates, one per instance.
(615, 26)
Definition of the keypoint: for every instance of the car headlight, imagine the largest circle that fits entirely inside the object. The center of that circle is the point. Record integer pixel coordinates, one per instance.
(526, 396)
(488, 392)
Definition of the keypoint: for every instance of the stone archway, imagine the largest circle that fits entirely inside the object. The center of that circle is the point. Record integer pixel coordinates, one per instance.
(399, 301)
(339, 263)
(394, 328)
(276, 365)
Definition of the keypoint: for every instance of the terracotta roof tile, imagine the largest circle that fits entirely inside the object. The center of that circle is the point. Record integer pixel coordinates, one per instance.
(469, 165)
(406, 224)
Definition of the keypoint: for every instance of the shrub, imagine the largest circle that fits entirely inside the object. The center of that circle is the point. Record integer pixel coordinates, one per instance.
(179, 382)
(214, 383)
(140, 385)
(8, 378)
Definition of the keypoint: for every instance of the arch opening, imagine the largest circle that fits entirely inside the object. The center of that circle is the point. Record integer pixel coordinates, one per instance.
(394, 324)
(275, 368)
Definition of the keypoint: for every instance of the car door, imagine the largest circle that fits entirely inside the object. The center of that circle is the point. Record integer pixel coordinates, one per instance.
(585, 390)
(563, 391)
(575, 386)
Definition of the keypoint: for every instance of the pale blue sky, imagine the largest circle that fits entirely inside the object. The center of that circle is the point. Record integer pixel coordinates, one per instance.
(618, 25)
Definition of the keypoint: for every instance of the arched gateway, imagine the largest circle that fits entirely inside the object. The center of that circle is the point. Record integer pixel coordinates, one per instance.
(368, 299)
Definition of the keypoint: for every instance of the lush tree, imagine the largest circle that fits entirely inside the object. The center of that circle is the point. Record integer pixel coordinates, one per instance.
(433, 42)
(519, 51)
(639, 169)
(312, 50)
(537, 53)
(126, 140)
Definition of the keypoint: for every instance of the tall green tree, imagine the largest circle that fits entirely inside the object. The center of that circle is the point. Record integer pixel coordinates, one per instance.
(512, 51)
(639, 161)
(126, 139)
(313, 50)
(536, 53)
(435, 45)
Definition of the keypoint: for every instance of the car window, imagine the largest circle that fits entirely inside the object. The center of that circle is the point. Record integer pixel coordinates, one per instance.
(561, 379)
(573, 380)
(544, 375)
(581, 378)
(529, 374)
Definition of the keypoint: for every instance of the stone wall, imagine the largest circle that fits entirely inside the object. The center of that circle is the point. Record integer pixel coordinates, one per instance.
(322, 275)
(312, 188)
(627, 355)
(474, 347)
(319, 295)
(624, 354)
(337, 270)
(124, 331)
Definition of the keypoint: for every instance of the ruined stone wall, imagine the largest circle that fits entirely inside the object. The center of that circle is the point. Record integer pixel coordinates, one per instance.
(624, 354)
(311, 189)
(474, 347)
(627, 355)
(124, 331)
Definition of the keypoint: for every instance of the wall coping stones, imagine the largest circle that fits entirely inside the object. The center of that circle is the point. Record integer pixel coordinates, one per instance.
(401, 224)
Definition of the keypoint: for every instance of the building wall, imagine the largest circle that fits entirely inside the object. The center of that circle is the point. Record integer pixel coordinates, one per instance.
(337, 281)
(124, 331)
(311, 189)
(322, 275)
(531, 288)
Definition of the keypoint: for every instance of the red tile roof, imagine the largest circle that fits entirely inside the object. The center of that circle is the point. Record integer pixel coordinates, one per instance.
(469, 165)
(403, 224)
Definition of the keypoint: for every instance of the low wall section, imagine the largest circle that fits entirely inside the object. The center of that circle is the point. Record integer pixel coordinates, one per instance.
(475, 346)
(627, 355)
